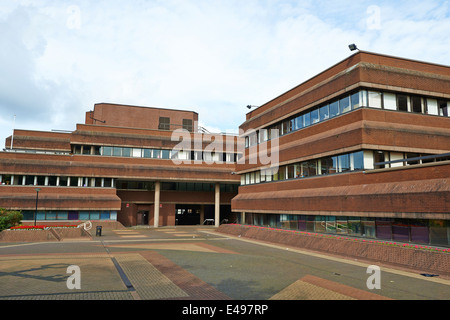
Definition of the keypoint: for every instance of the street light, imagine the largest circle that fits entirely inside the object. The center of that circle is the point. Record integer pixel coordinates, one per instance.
(37, 197)
(250, 106)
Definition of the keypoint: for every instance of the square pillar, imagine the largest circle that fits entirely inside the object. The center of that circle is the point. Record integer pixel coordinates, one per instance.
(156, 206)
(217, 205)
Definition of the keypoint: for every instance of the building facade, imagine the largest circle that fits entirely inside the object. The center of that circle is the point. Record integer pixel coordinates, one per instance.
(362, 149)
(124, 163)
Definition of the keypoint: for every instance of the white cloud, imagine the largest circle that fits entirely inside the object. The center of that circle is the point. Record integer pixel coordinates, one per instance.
(213, 57)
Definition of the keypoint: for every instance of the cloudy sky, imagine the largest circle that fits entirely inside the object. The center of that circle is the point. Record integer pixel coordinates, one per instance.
(59, 58)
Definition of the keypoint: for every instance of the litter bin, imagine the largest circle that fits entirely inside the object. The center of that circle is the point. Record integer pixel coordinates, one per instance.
(98, 231)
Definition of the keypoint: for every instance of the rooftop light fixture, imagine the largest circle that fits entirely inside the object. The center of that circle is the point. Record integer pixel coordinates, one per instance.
(353, 47)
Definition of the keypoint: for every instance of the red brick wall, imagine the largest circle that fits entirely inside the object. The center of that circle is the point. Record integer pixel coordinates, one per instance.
(418, 259)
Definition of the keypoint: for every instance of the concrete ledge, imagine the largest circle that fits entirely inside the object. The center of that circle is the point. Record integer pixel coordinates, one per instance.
(423, 259)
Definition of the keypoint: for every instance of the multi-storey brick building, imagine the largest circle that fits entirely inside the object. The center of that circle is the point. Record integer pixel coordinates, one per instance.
(363, 150)
(122, 164)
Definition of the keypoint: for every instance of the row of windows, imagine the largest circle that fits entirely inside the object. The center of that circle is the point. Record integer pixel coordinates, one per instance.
(154, 153)
(26, 180)
(323, 166)
(55, 181)
(206, 187)
(70, 215)
(435, 232)
(349, 102)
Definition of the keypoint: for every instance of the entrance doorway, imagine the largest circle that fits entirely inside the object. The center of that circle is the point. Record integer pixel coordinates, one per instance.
(142, 218)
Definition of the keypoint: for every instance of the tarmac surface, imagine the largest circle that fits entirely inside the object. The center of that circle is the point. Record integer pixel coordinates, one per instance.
(196, 264)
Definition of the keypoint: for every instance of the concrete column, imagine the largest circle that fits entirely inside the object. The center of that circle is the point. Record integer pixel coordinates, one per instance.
(217, 206)
(156, 209)
(202, 213)
(243, 217)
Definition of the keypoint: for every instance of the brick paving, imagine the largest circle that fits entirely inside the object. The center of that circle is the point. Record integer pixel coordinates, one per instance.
(194, 264)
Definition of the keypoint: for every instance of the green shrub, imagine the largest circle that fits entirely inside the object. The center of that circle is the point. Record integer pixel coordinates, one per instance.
(9, 218)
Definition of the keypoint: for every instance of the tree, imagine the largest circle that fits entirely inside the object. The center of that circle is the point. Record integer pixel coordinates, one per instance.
(9, 218)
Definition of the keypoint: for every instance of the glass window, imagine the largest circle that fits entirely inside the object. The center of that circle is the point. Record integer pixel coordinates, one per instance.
(334, 109)
(402, 102)
(444, 108)
(156, 154)
(307, 119)
(357, 160)
(344, 105)
(355, 101)
(344, 162)
(187, 125)
(106, 151)
(164, 123)
(389, 101)
(299, 122)
(51, 181)
(285, 127)
(432, 107)
(136, 153)
(165, 154)
(126, 152)
(96, 150)
(86, 149)
(314, 116)
(84, 215)
(328, 165)
(95, 215)
(324, 113)
(117, 151)
(147, 153)
(384, 228)
(104, 215)
(62, 215)
(416, 104)
(354, 226)
(368, 227)
(290, 171)
(77, 149)
(375, 99)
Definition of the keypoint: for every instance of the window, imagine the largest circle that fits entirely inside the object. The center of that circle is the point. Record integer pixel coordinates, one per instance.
(137, 153)
(344, 105)
(355, 100)
(375, 99)
(402, 102)
(307, 119)
(357, 160)
(334, 109)
(107, 151)
(187, 124)
(443, 108)
(314, 116)
(77, 149)
(432, 107)
(344, 162)
(299, 122)
(86, 150)
(416, 104)
(165, 154)
(324, 113)
(389, 101)
(126, 152)
(164, 123)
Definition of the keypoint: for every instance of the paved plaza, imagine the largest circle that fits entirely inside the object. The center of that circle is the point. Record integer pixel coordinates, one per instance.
(195, 263)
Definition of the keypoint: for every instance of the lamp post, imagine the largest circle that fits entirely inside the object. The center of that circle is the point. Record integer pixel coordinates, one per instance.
(37, 197)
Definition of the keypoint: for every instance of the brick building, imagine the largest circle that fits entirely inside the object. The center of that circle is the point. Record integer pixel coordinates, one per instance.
(123, 164)
(363, 149)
